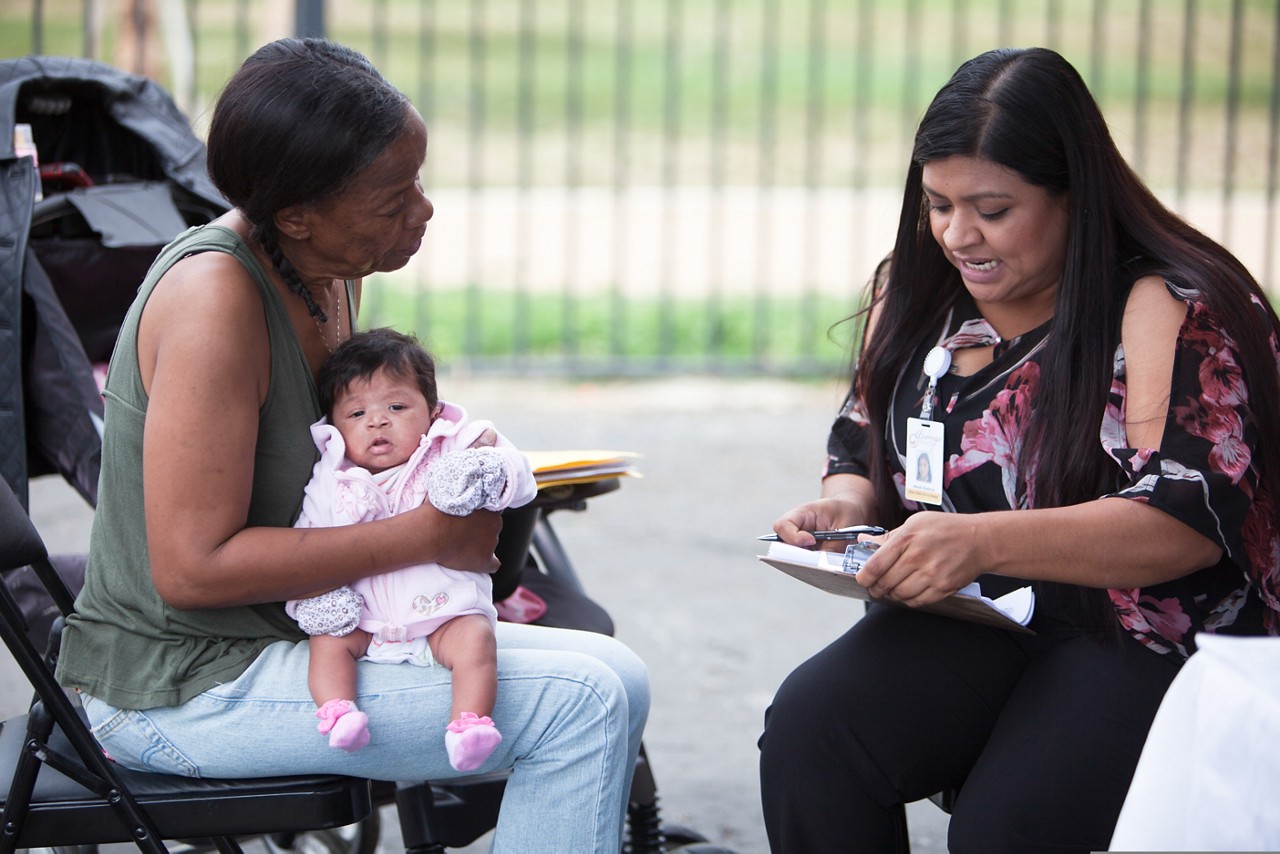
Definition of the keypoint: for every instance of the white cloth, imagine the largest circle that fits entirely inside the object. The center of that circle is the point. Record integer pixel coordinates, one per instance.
(416, 651)
(1209, 774)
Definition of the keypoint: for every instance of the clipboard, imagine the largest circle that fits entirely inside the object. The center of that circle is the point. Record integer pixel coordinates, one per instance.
(822, 569)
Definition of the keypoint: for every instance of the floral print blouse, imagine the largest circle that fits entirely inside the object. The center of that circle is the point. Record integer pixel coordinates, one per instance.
(1201, 475)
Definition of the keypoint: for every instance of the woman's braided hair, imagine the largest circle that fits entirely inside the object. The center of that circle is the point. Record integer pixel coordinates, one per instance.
(298, 120)
(266, 235)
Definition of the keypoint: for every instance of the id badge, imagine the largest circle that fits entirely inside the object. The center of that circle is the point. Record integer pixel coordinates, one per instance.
(924, 461)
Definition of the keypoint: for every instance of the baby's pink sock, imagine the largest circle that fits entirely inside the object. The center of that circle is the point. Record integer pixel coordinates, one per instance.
(347, 726)
(469, 740)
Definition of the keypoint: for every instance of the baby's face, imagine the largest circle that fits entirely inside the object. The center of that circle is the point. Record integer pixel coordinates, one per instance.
(382, 420)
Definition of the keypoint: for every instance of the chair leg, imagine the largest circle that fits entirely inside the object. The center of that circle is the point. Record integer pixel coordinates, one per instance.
(21, 787)
(414, 803)
(40, 724)
(903, 840)
(644, 821)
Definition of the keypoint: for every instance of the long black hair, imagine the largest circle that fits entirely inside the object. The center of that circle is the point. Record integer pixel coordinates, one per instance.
(292, 126)
(1030, 111)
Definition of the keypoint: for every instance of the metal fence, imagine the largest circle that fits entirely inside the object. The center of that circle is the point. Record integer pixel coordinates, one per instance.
(629, 186)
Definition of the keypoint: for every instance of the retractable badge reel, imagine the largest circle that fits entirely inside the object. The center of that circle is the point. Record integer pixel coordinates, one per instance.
(924, 436)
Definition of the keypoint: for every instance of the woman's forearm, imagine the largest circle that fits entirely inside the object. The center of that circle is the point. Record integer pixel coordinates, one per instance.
(1108, 543)
(846, 500)
(272, 564)
(854, 490)
(1111, 542)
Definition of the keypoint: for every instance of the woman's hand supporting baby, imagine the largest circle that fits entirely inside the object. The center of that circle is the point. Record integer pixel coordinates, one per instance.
(466, 542)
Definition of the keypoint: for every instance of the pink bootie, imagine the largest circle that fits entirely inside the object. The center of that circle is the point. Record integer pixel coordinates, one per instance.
(469, 740)
(346, 726)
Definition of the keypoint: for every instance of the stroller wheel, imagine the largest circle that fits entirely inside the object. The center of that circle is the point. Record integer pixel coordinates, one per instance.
(677, 836)
(359, 838)
(679, 839)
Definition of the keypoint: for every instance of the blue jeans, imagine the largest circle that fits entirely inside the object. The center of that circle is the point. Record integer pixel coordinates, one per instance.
(571, 708)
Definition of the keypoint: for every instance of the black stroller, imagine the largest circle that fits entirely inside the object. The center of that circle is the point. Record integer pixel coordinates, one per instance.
(119, 174)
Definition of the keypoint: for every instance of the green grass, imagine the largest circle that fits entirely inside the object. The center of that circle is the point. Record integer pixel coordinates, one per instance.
(784, 334)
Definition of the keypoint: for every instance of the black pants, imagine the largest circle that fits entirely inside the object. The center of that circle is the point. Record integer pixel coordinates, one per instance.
(1043, 732)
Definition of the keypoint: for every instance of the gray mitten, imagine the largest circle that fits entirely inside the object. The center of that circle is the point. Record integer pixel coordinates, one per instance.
(334, 613)
(466, 480)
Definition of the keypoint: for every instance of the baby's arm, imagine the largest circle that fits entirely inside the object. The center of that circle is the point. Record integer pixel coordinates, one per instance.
(488, 473)
(468, 480)
(487, 439)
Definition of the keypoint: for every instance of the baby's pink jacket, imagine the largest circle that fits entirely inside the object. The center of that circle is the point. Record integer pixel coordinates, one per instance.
(414, 601)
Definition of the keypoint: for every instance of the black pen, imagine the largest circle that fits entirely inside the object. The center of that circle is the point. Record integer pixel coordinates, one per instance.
(851, 533)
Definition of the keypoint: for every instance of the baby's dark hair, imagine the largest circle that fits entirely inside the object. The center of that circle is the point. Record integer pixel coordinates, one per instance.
(365, 353)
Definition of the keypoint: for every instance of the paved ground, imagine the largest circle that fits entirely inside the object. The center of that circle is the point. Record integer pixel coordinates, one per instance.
(672, 557)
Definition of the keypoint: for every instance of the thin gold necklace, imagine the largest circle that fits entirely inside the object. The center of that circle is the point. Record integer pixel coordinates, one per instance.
(337, 318)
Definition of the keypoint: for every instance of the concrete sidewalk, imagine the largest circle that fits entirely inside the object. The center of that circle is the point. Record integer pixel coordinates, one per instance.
(672, 557)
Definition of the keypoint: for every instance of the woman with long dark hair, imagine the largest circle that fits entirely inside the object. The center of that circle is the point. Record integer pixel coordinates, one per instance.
(1096, 379)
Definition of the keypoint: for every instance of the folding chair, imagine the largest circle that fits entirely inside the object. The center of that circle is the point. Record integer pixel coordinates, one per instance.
(59, 789)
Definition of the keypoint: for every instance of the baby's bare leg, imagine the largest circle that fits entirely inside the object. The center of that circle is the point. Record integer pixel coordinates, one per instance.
(467, 647)
(331, 677)
(331, 672)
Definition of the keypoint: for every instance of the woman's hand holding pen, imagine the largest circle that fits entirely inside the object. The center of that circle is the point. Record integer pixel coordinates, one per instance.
(929, 557)
(796, 527)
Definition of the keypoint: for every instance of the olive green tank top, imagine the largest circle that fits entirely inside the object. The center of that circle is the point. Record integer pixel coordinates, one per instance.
(124, 645)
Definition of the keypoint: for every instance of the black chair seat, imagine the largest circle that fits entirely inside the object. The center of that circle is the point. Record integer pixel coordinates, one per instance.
(62, 812)
(57, 789)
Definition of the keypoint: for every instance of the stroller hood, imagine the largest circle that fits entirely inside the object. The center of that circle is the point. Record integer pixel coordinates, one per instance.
(34, 88)
(114, 129)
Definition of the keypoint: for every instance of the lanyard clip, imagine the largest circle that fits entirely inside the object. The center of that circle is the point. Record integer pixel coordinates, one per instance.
(936, 364)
